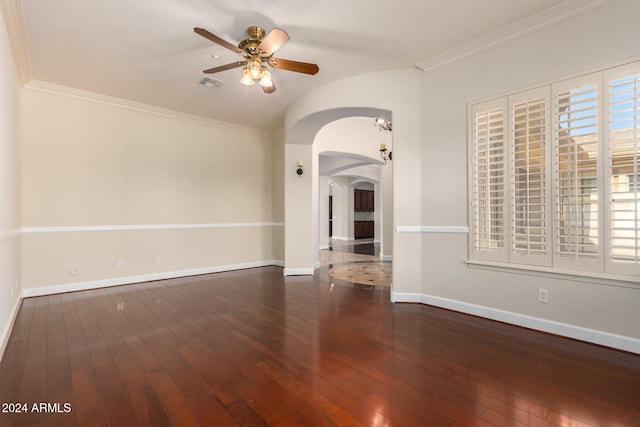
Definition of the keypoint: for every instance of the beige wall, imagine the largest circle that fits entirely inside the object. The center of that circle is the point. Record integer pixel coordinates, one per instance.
(105, 180)
(9, 188)
(588, 308)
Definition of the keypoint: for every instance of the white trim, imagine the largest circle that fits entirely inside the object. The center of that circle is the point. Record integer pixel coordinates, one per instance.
(534, 23)
(67, 229)
(6, 333)
(298, 271)
(9, 235)
(405, 297)
(607, 279)
(558, 328)
(386, 257)
(144, 108)
(127, 280)
(463, 229)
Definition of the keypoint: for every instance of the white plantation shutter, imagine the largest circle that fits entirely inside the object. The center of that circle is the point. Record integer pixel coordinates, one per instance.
(576, 164)
(488, 181)
(555, 176)
(528, 178)
(623, 138)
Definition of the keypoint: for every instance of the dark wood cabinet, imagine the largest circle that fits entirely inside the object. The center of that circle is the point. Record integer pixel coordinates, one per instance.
(363, 229)
(363, 201)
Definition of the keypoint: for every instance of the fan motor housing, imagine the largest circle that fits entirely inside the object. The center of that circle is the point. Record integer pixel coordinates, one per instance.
(251, 44)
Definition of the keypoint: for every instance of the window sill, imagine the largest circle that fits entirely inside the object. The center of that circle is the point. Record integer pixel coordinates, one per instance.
(607, 279)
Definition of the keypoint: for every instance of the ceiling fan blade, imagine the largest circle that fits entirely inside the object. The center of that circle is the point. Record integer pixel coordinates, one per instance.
(225, 67)
(207, 35)
(269, 89)
(274, 41)
(298, 67)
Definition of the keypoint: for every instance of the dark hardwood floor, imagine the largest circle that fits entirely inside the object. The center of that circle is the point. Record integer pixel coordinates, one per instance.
(253, 348)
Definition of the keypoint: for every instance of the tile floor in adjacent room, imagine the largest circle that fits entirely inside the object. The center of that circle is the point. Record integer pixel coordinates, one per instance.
(355, 262)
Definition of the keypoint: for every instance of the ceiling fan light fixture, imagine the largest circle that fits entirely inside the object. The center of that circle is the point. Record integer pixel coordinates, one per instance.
(265, 80)
(255, 67)
(255, 51)
(246, 79)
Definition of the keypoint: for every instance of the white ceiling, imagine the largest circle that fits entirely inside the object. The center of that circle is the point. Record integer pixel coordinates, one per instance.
(146, 50)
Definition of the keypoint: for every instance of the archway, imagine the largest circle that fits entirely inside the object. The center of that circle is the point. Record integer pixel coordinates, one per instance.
(382, 94)
(303, 195)
(348, 150)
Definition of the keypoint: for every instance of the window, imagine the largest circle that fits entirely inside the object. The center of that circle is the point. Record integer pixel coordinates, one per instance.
(529, 178)
(576, 159)
(623, 198)
(488, 182)
(555, 175)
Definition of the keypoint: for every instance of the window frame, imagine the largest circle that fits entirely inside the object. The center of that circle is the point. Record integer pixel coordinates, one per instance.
(477, 253)
(602, 265)
(578, 263)
(610, 75)
(514, 256)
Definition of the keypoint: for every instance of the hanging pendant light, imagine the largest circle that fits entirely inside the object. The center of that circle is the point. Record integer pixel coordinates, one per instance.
(265, 79)
(255, 67)
(246, 79)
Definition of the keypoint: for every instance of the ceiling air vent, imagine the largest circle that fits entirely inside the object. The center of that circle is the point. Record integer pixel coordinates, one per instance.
(211, 83)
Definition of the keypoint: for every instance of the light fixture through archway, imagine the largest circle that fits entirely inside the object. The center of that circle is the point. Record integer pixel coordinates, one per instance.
(383, 124)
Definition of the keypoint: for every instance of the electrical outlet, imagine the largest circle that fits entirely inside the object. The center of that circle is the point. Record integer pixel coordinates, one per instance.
(120, 263)
(543, 295)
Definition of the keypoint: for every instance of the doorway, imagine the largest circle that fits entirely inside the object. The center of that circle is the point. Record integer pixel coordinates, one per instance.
(330, 216)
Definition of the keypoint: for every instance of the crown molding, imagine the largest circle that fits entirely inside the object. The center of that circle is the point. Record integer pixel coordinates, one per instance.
(14, 22)
(533, 23)
(140, 107)
(278, 133)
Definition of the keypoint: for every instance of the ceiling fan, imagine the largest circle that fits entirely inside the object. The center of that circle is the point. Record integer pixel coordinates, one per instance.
(258, 51)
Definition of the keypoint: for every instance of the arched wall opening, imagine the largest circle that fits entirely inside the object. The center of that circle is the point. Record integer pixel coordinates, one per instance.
(349, 154)
(397, 100)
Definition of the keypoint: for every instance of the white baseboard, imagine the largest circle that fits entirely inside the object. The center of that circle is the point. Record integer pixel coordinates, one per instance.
(117, 281)
(386, 257)
(298, 271)
(405, 297)
(6, 333)
(563, 329)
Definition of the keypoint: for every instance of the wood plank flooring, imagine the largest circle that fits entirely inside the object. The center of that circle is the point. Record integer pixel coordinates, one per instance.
(254, 348)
